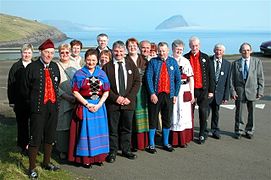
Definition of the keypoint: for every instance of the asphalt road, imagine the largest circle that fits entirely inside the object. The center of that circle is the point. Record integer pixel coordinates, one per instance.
(223, 159)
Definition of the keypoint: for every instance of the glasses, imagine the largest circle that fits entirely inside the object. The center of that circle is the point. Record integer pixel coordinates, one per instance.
(64, 52)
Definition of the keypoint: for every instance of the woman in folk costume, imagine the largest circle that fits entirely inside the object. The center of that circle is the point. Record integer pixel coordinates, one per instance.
(141, 119)
(89, 141)
(182, 122)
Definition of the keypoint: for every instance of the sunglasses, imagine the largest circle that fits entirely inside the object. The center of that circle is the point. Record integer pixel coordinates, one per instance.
(64, 52)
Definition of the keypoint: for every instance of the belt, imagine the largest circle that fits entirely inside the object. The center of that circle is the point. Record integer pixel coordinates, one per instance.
(92, 97)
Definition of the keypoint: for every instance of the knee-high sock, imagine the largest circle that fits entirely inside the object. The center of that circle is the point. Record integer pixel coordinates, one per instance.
(151, 136)
(33, 151)
(165, 136)
(47, 153)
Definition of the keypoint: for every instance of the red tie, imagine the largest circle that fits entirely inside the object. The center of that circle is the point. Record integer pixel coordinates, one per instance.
(49, 93)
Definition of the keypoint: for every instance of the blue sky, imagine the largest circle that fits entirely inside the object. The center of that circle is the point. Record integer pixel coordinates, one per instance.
(146, 14)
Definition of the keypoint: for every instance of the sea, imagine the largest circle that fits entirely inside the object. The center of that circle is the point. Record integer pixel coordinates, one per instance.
(232, 39)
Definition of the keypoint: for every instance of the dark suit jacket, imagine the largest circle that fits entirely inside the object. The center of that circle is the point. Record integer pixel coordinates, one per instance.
(133, 84)
(222, 88)
(34, 83)
(207, 77)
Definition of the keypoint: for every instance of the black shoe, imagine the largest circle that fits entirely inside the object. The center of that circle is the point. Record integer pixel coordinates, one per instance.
(129, 155)
(168, 148)
(184, 146)
(216, 135)
(88, 166)
(111, 158)
(99, 163)
(201, 140)
(133, 149)
(237, 136)
(32, 174)
(249, 136)
(50, 167)
(151, 149)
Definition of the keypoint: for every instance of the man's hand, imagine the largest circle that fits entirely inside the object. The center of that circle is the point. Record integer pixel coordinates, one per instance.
(154, 98)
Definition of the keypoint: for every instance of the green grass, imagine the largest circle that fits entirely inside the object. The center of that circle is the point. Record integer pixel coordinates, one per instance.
(15, 28)
(13, 165)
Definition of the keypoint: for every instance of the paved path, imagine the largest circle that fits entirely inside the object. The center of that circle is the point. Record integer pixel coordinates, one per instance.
(223, 159)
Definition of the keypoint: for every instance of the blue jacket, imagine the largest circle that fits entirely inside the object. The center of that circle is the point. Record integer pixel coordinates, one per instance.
(153, 75)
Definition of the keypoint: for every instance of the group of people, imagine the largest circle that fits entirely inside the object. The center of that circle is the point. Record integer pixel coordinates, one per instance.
(117, 99)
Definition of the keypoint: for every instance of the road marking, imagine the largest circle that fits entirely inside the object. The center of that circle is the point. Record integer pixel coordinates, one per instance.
(232, 106)
(260, 106)
(229, 106)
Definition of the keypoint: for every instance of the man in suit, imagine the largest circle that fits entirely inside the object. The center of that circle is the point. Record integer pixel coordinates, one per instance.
(203, 83)
(102, 40)
(41, 82)
(145, 49)
(124, 81)
(246, 86)
(163, 83)
(16, 99)
(220, 67)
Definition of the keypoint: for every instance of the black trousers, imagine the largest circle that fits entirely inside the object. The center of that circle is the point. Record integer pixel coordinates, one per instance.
(201, 96)
(165, 105)
(43, 124)
(22, 118)
(214, 108)
(120, 127)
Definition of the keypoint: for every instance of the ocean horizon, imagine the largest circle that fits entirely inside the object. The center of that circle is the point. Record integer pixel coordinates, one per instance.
(232, 39)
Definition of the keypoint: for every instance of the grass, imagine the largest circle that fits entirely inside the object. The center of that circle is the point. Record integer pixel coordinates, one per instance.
(13, 165)
(16, 28)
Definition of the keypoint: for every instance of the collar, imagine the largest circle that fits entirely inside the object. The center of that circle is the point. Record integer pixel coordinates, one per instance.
(44, 64)
(116, 61)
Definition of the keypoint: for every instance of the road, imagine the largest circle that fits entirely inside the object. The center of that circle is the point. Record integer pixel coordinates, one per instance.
(223, 159)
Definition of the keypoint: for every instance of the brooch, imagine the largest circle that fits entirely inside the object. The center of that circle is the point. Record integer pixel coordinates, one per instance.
(222, 73)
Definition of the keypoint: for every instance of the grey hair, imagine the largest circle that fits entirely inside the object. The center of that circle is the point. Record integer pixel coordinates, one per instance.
(241, 47)
(194, 38)
(219, 45)
(177, 43)
(146, 41)
(27, 46)
(118, 44)
(102, 35)
(162, 44)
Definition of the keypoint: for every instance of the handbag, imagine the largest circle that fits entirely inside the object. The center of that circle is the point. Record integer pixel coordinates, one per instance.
(78, 112)
(187, 96)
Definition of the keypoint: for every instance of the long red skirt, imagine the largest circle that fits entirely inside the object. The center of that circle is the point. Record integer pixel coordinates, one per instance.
(74, 135)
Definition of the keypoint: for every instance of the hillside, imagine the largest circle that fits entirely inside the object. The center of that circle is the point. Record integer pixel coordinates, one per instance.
(16, 31)
(172, 22)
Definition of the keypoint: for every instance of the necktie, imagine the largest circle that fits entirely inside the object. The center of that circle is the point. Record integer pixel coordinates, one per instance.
(217, 70)
(245, 70)
(121, 80)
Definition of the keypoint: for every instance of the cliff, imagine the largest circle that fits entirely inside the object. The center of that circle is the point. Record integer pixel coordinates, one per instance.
(172, 22)
(16, 31)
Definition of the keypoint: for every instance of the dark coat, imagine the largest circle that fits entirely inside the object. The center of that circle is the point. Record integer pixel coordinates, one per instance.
(35, 81)
(133, 84)
(15, 85)
(207, 77)
(222, 88)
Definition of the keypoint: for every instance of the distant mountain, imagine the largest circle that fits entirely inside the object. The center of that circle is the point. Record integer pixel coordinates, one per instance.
(68, 26)
(15, 31)
(173, 22)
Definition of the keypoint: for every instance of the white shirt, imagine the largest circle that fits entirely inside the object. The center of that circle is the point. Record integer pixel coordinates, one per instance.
(116, 64)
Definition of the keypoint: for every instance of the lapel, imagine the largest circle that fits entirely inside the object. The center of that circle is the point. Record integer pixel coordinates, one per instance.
(111, 75)
(251, 66)
(129, 77)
